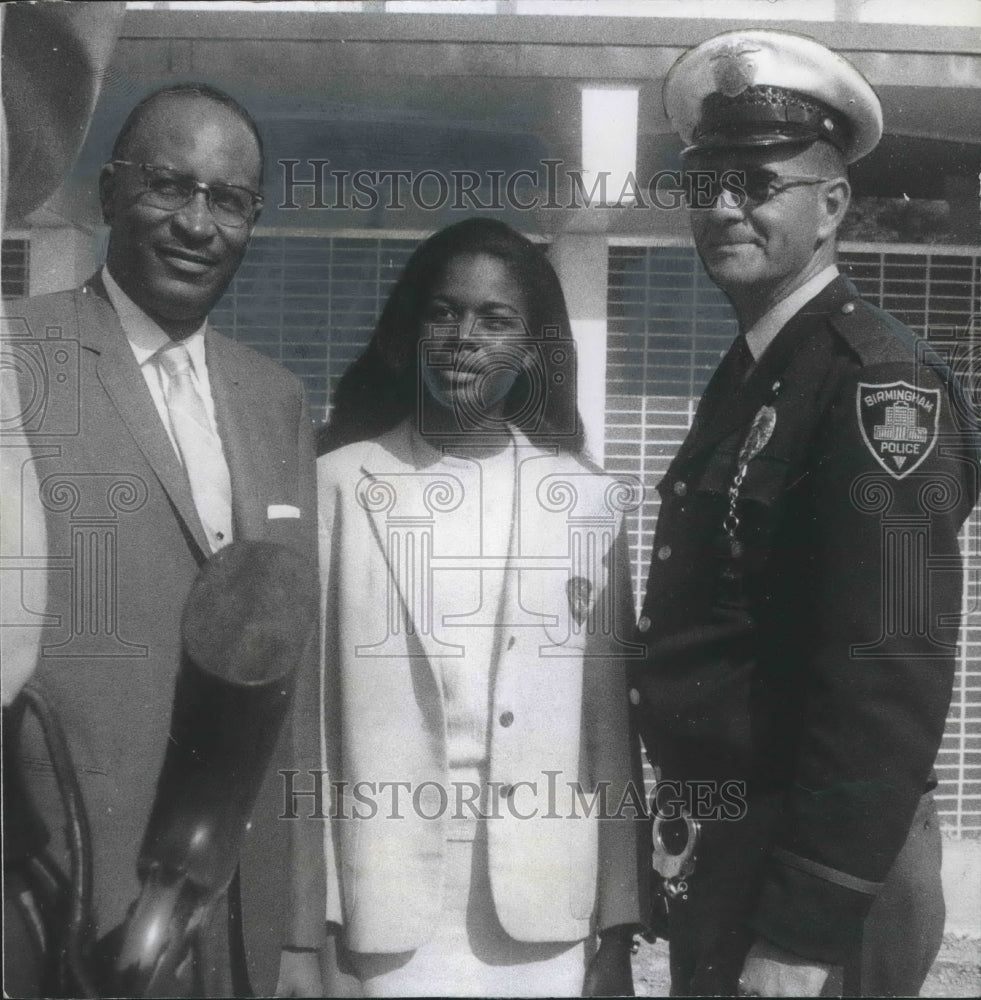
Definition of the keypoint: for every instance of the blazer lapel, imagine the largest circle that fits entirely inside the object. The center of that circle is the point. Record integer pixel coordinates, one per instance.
(540, 533)
(759, 387)
(120, 375)
(236, 414)
(399, 521)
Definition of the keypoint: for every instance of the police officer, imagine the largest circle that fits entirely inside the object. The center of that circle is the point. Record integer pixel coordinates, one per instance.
(802, 607)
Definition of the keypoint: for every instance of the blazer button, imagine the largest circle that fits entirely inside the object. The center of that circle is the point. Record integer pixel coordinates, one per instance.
(664, 553)
(506, 719)
(680, 489)
(634, 696)
(848, 308)
(644, 625)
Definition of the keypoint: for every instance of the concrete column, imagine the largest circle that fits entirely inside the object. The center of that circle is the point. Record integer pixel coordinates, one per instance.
(580, 260)
(61, 258)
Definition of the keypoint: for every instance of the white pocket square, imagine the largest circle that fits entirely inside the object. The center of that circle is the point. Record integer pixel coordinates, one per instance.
(277, 510)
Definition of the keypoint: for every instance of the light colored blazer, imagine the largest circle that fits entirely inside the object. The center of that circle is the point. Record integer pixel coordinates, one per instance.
(558, 697)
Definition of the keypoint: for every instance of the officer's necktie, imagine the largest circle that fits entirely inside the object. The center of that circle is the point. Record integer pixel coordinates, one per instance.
(726, 382)
(199, 446)
(743, 361)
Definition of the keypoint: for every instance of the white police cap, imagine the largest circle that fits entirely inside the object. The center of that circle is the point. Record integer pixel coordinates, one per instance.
(768, 88)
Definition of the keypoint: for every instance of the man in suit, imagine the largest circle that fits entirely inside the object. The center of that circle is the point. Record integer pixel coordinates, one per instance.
(162, 442)
(802, 607)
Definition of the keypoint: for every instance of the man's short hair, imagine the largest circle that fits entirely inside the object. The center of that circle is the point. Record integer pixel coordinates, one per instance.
(179, 90)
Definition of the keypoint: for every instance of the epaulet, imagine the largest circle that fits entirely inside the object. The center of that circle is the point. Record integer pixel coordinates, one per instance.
(872, 334)
(880, 339)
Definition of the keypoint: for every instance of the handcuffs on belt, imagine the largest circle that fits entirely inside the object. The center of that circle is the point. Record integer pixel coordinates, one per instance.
(675, 869)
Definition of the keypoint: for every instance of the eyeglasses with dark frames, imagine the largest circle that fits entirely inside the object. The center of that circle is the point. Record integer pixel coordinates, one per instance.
(170, 190)
(756, 185)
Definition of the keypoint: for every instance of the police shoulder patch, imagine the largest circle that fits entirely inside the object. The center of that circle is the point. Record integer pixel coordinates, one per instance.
(899, 424)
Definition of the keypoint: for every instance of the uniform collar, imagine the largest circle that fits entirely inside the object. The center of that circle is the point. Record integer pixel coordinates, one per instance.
(145, 336)
(760, 335)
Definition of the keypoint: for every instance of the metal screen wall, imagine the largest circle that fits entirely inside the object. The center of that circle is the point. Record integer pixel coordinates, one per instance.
(669, 326)
(14, 268)
(311, 303)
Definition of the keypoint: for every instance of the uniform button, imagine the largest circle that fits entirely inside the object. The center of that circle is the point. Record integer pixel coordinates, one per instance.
(644, 625)
(680, 488)
(634, 696)
(664, 553)
(848, 308)
(506, 719)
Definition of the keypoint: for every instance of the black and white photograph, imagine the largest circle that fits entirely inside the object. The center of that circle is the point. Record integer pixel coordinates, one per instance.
(490, 498)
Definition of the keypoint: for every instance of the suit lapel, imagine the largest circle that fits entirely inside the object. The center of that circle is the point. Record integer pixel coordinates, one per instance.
(758, 389)
(236, 413)
(120, 375)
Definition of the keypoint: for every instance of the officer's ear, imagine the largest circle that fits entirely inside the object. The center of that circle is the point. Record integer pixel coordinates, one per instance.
(837, 195)
(107, 191)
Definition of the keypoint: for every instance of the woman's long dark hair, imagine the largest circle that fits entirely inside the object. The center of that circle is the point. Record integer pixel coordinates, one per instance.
(379, 390)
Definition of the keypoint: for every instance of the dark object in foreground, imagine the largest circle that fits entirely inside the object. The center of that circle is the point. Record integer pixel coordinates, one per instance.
(248, 618)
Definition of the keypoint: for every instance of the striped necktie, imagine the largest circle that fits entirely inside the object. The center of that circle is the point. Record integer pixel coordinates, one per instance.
(199, 446)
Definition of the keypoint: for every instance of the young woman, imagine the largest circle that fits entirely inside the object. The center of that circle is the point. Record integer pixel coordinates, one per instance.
(483, 826)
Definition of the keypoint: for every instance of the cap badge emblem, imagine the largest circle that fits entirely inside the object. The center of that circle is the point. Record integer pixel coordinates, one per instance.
(734, 68)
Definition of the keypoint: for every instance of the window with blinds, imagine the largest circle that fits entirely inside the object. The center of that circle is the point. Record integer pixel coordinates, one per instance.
(14, 274)
(668, 326)
(311, 303)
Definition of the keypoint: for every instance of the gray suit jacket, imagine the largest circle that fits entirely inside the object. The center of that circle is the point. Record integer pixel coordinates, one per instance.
(124, 545)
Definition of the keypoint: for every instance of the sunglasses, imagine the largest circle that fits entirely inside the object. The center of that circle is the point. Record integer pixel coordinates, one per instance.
(737, 188)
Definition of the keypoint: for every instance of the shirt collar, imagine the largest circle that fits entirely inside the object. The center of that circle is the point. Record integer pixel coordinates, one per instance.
(760, 335)
(145, 336)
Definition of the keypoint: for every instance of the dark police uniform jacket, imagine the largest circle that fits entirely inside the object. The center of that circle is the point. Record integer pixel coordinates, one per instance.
(812, 660)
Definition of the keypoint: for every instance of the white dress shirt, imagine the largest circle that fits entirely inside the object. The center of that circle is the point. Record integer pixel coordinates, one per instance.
(760, 335)
(146, 338)
(466, 602)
